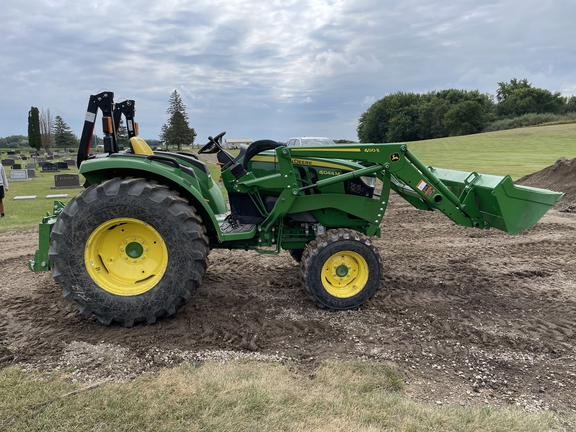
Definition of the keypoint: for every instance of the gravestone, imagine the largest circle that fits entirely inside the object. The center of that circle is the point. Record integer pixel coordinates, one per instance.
(19, 175)
(17, 166)
(31, 173)
(62, 165)
(49, 157)
(31, 165)
(64, 181)
(11, 153)
(17, 151)
(50, 167)
(24, 157)
(8, 162)
(71, 163)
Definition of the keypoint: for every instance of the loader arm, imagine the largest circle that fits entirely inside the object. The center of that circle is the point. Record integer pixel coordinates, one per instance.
(468, 199)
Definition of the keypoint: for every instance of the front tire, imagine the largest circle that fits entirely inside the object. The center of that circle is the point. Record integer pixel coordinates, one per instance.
(128, 251)
(341, 270)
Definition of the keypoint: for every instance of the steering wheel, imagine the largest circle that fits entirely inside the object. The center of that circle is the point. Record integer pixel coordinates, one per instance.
(214, 145)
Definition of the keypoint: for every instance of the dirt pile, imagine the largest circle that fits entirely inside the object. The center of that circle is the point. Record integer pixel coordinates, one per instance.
(558, 177)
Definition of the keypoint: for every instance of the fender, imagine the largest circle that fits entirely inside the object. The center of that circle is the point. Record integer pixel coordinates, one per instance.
(165, 170)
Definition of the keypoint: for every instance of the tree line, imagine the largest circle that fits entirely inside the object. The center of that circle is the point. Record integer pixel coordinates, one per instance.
(403, 116)
(45, 132)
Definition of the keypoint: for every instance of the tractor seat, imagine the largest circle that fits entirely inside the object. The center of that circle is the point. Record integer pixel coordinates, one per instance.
(139, 146)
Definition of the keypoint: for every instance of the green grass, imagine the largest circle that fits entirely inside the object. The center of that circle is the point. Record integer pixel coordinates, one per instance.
(26, 214)
(243, 396)
(516, 152)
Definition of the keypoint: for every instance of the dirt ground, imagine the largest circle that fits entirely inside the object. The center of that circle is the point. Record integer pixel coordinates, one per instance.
(469, 317)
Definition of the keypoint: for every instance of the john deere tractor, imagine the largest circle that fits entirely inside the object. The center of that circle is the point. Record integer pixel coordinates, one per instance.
(133, 245)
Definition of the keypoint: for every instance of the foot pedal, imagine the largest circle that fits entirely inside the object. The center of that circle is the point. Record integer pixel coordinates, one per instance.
(229, 228)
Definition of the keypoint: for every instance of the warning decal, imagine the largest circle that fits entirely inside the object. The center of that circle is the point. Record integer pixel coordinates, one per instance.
(425, 188)
(90, 117)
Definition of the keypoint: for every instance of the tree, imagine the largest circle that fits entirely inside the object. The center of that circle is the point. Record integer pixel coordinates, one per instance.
(431, 118)
(388, 119)
(520, 97)
(34, 137)
(176, 105)
(464, 118)
(63, 136)
(46, 129)
(410, 117)
(571, 104)
(14, 141)
(123, 140)
(506, 89)
(177, 130)
(162, 137)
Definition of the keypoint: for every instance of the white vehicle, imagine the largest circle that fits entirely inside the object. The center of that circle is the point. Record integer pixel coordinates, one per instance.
(310, 141)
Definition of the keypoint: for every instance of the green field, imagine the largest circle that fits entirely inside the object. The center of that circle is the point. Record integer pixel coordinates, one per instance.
(516, 152)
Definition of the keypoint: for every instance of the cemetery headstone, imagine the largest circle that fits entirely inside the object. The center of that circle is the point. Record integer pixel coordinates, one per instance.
(19, 175)
(63, 181)
(31, 165)
(17, 166)
(50, 167)
(62, 165)
(7, 162)
(31, 173)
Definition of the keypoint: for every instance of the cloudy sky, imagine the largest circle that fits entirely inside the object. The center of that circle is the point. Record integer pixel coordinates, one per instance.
(271, 68)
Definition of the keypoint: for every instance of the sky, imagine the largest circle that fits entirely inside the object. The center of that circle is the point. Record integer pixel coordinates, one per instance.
(271, 69)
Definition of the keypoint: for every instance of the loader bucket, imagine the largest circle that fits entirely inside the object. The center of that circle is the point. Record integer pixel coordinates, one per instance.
(503, 205)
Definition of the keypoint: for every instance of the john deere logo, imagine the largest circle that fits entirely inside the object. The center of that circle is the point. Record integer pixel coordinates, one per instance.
(395, 157)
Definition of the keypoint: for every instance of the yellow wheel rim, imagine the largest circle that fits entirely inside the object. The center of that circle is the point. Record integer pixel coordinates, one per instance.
(345, 274)
(126, 256)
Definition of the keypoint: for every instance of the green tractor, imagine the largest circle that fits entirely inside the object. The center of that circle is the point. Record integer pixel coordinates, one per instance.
(133, 246)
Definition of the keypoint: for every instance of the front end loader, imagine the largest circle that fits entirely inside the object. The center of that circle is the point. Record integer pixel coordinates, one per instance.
(133, 245)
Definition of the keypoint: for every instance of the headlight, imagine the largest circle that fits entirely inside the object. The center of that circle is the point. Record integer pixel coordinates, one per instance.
(369, 181)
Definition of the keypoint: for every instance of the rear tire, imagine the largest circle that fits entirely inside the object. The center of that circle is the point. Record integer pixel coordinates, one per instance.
(128, 251)
(341, 270)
